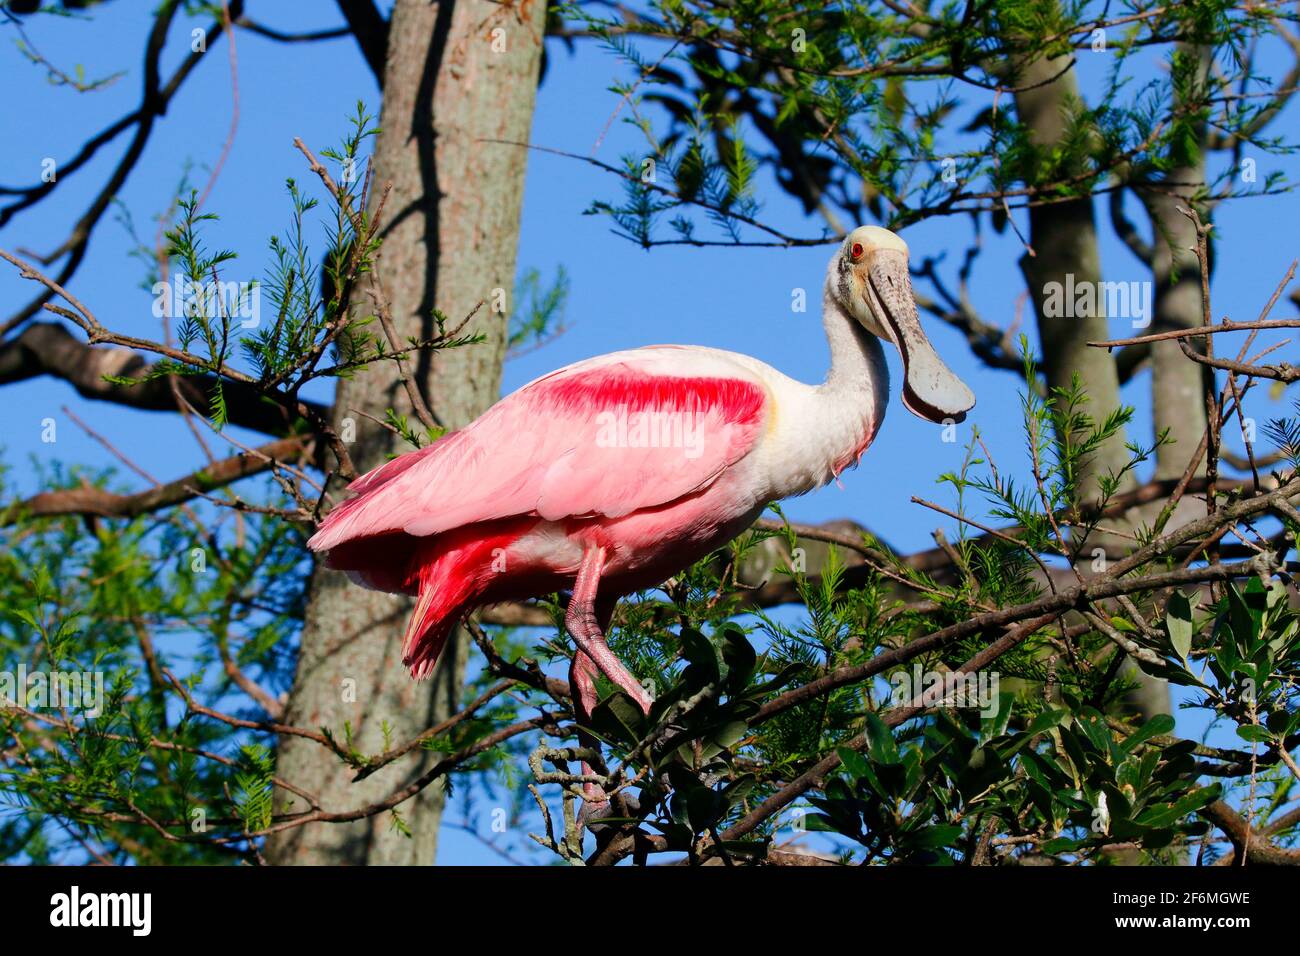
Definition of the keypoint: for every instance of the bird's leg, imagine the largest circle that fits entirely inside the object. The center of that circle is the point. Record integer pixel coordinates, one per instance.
(582, 672)
(582, 684)
(588, 619)
(584, 626)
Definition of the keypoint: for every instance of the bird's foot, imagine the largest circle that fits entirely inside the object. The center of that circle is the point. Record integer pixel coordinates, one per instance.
(595, 802)
(639, 694)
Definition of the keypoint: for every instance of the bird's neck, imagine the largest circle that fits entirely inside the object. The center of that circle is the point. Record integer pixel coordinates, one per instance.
(857, 360)
(849, 406)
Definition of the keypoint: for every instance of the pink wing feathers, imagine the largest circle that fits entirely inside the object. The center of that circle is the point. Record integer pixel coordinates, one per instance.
(595, 439)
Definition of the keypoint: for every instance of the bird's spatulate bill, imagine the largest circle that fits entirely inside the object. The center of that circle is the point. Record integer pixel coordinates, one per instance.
(930, 389)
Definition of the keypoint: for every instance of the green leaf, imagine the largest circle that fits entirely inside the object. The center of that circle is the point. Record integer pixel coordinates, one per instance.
(820, 823)
(1157, 726)
(1061, 845)
(883, 748)
(1094, 726)
(739, 656)
(996, 725)
(729, 734)
(1245, 612)
(1254, 733)
(704, 808)
(1178, 621)
(1166, 814)
(1282, 723)
(619, 718)
(934, 837)
(738, 789)
(702, 657)
(853, 762)
(1045, 721)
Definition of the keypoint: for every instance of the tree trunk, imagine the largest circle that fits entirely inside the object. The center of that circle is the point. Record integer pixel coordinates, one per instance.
(456, 76)
(1177, 383)
(1063, 237)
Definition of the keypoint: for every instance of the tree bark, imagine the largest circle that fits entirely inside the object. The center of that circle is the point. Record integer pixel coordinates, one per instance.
(457, 74)
(1063, 237)
(1177, 384)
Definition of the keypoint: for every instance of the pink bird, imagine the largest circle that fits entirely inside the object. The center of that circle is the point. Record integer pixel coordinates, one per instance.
(613, 474)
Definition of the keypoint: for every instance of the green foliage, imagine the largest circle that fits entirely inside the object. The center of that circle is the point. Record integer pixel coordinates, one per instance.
(122, 605)
(862, 114)
(1063, 775)
(312, 311)
(182, 624)
(253, 787)
(539, 315)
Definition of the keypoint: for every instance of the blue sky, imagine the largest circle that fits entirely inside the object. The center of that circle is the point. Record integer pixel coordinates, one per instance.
(621, 296)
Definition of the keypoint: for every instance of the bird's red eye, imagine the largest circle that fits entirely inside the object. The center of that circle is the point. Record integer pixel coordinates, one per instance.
(856, 251)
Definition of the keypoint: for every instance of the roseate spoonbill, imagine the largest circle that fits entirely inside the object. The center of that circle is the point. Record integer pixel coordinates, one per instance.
(613, 474)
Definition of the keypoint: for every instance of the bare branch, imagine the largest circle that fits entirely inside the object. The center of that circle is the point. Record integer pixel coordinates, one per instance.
(106, 504)
(47, 348)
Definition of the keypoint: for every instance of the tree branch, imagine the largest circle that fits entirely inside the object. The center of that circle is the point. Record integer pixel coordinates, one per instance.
(47, 348)
(1248, 845)
(371, 31)
(106, 504)
(153, 104)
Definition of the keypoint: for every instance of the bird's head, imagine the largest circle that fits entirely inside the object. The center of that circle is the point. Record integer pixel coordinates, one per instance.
(869, 279)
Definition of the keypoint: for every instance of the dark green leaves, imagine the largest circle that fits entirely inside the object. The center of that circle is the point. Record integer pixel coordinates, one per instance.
(1178, 621)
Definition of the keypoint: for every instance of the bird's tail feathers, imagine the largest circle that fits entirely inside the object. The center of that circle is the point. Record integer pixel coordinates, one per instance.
(428, 629)
(449, 581)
